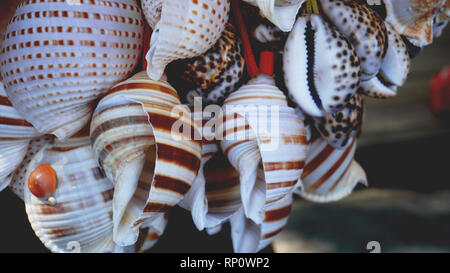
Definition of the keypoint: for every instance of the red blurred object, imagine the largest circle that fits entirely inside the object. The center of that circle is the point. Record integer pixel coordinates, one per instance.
(440, 92)
(266, 63)
(146, 45)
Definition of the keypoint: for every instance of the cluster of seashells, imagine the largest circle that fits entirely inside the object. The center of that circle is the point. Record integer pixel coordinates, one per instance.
(87, 139)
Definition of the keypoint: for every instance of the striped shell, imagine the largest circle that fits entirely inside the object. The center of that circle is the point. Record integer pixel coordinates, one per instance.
(330, 174)
(413, 18)
(249, 237)
(58, 57)
(152, 232)
(341, 127)
(212, 75)
(187, 28)
(321, 68)
(15, 135)
(265, 142)
(363, 28)
(81, 215)
(150, 163)
(280, 12)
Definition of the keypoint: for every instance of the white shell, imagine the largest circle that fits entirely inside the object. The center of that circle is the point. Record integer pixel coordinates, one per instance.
(186, 29)
(81, 219)
(281, 13)
(269, 159)
(152, 11)
(321, 69)
(152, 232)
(413, 18)
(249, 237)
(151, 165)
(363, 28)
(378, 88)
(59, 57)
(330, 174)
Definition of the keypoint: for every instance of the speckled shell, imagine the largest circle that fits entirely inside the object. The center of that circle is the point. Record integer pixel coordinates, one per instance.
(186, 29)
(396, 63)
(152, 11)
(341, 127)
(249, 237)
(18, 176)
(413, 18)
(330, 174)
(82, 215)
(212, 75)
(378, 87)
(363, 28)
(151, 166)
(58, 57)
(15, 134)
(321, 69)
(269, 161)
(152, 232)
(280, 12)
(440, 21)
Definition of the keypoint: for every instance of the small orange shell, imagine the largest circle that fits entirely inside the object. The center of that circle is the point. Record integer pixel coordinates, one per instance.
(42, 181)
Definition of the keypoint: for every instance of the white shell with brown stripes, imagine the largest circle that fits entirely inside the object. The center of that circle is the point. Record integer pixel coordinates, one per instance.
(81, 217)
(152, 230)
(58, 57)
(151, 165)
(330, 174)
(266, 143)
(187, 28)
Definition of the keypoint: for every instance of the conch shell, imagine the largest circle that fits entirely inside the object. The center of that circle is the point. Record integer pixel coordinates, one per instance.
(281, 13)
(330, 174)
(78, 215)
(151, 164)
(59, 57)
(321, 69)
(265, 142)
(186, 29)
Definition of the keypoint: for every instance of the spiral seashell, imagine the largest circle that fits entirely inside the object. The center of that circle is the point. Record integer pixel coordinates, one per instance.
(280, 12)
(265, 142)
(151, 164)
(330, 174)
(363, 28)
(321, 68)
(152, 11)
(15, 135)
(59, 57)
(249, 237)
(186, 29)
(341, 127)
(413, 18)
(212, 75)
(152, 232)
(79, 212)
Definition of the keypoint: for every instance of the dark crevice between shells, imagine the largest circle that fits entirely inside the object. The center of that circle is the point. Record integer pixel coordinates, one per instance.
(310, 51)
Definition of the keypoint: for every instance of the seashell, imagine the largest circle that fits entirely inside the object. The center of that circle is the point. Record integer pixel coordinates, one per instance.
(363, 28)
(151, 164)
(281, 13)
(212, 75)
(440, 21)
(249, 237)
(378, 87)
(186, 29)
(321, 68)
(265, 142)
(152, 232)
(267, 33)
(330, 174)
(341, 127)
(58, 58)
(413, 18)
(79, 213)
(152, 11)
(15, 135)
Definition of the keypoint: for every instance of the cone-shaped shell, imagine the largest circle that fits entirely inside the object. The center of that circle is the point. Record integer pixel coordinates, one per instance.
(281, 13)
(15, 134)
(265, 142)
(135, 135)
(330, 174)
(413, 18)
(78, 217)
(249, 237)
(363, 28)
(321, 68)
(212, 75)
(186, 29)
(58, 57)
